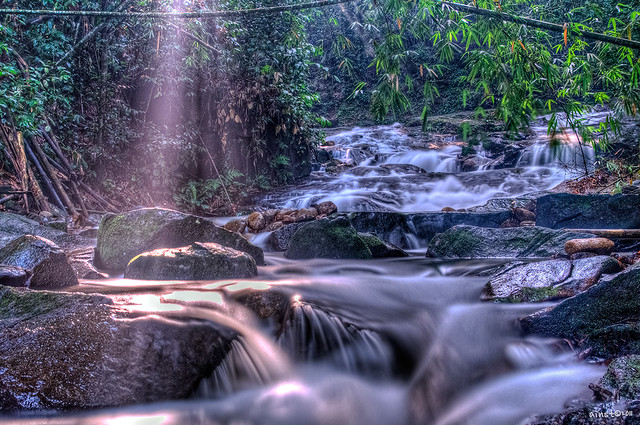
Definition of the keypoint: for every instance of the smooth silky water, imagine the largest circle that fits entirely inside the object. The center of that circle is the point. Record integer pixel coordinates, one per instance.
(386, 342)
(378, 342)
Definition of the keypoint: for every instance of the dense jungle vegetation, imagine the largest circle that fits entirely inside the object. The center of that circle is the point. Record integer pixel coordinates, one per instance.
(201, 112)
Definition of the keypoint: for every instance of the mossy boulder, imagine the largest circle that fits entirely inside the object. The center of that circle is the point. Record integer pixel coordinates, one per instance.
(76, 351)
(199, 261)
(326, 238)
(603, 320)
(547, 280)
(380, 248)
(623, 377)
(121, 237)
(46, 261)
(484, 242)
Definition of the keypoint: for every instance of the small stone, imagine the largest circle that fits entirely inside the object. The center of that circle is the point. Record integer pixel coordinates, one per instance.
(527, 223)
(326, 208)
(275, 226)
(602, 246)
(46, 214)
(510, 222)
(524, 215)
(256, 221)
(270, 215)
(58, 225)
(306, 214)
(448, 209)
(237, 226)
(285, 213)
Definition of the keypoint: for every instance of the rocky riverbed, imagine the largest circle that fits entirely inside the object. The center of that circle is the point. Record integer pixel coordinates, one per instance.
(73, 339)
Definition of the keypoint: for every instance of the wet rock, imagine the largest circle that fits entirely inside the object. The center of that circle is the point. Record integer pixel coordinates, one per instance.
(236, 226)
(279, 240)
(623, 377)
(270, 215)
(524, 215)
(601, 246)
(326, 238)
(84, 269)
(122, 237)
(286, 215)
(323, 155)
(306, 214)
(510, 222)
(448, 209)
(90, 233)
(326, 208)
(483, 242)
(199, 261)
(381, 249)
(275, 226)
(547, 280)
(58, 225)
(402, 169)
(604, 320)
(527, 223)
(75, 351)
(563, 210)
(13, 276)
(17, 225)
(257, 221)
(46, 260)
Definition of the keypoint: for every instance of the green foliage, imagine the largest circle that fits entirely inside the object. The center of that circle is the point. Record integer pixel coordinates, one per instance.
(204, 195)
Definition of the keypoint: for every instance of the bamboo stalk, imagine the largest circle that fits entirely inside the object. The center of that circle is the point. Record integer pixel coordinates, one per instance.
(54, 195)
(22, 159)
(41, 201)
(54, 178)
(610, 233)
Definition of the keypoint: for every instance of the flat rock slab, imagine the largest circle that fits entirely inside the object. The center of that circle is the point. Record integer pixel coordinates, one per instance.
(76, 351)
(604, 320)
(564, 210)
(199, 261)
(122, 237)
(547, 280)
(485, 242)
(14, 225)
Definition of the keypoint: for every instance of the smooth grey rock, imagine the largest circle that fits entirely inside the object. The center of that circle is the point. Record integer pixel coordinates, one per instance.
(199, 261)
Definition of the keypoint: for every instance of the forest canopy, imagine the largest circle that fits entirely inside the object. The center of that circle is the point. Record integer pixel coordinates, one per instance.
(200, 111)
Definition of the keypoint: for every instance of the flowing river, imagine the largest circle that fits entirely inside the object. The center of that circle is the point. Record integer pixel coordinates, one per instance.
(378, 342)
(386, 342)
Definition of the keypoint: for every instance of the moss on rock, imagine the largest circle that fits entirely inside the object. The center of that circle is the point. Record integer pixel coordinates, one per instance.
(328, 239)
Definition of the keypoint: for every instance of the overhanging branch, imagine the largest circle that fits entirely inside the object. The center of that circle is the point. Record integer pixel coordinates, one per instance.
(540, 24)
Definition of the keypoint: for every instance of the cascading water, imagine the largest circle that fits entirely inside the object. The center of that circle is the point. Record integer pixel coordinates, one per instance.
(392, 171)
(391, 342)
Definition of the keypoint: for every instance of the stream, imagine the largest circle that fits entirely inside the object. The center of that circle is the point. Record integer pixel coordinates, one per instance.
(381, 342)
(386, 342)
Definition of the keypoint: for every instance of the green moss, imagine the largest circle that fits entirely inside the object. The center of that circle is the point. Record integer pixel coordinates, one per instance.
(623, 375)
(532, 295)
(462, 243)
(328, 239)
(19, 303)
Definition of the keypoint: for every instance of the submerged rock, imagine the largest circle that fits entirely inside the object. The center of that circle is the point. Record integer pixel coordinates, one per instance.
(483, 242)
(122, 237)
(76, 351)
(326, 238)
(199, 261)
(564, 210)
(546, 280)
(46, 261)
(604, 320)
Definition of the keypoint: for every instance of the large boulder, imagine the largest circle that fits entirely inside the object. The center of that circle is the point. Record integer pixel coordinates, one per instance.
(76, 351)
(280, 238)
(564, 210)
(546, 280)
(122, 237)
(484, 242)
(601, 246)
(380, 248)
(328, 239)
(604, 320)
(199, 261)
(46, 261)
